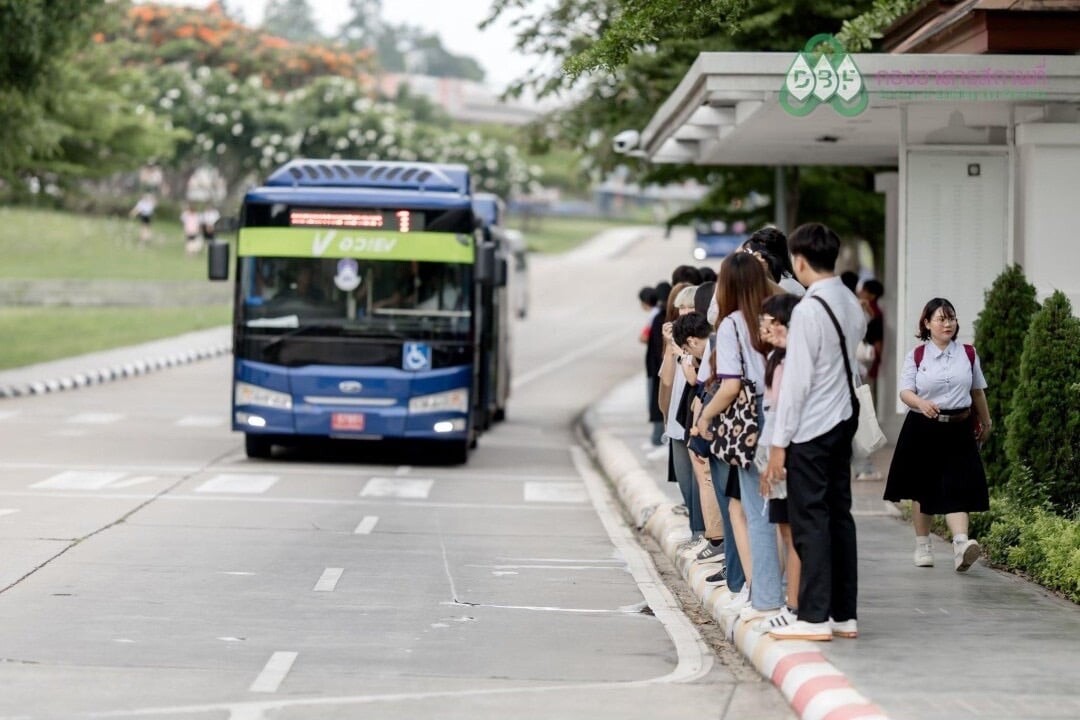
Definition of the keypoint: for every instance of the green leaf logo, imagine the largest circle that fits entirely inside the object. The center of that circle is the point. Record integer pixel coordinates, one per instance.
(828, 76)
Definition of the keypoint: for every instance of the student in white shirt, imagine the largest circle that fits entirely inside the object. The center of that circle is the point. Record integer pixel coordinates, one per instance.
(811, 439)
(740, 357)
(942, 382)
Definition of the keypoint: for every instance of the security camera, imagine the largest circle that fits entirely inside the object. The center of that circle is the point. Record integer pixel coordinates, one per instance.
(626, 141)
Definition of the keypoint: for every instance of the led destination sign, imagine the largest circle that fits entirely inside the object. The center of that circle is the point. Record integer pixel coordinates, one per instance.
(393, 220)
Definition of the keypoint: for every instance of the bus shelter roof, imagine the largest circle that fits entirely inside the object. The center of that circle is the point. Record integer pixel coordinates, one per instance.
(728, 111)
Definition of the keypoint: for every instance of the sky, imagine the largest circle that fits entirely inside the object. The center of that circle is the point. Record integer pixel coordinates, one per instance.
(454, 21)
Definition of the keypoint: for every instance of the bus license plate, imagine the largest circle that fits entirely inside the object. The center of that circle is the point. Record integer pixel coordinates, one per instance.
(352, 422)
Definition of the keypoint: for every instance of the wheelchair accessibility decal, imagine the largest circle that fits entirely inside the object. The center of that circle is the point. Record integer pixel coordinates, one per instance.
(416, 356)
(829, 77)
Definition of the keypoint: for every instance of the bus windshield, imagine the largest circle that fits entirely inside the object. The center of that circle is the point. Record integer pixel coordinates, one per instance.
(368, 297)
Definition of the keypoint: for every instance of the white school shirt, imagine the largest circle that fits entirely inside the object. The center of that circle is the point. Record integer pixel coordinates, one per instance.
(791, 285)
(814, 391)
(944, 377)
(732, 335)
(674, 428)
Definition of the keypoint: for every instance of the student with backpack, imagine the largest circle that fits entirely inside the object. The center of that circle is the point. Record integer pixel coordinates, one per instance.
(936, 462)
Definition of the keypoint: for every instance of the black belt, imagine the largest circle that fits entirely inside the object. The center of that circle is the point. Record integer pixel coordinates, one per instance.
(950, 416)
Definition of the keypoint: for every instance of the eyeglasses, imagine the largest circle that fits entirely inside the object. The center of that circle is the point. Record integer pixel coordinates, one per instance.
(767, 320)
(943, 320)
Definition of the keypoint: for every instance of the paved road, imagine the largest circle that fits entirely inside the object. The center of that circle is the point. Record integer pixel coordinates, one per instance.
(151, 570)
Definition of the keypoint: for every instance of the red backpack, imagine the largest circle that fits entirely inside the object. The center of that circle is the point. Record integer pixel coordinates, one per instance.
(921, 350)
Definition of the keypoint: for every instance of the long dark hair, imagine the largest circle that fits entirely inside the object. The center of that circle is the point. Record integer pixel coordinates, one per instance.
(780, 307)
(742, 285)
(923, 332)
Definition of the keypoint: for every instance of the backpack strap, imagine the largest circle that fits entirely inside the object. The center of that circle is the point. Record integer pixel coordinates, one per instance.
(844, 353)
(969, 350)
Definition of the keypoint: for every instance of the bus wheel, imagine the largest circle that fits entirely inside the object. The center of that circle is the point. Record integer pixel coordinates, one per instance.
(258, 446)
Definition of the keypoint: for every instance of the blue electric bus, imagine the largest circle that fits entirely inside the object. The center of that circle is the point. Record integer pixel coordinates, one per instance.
(363, 296)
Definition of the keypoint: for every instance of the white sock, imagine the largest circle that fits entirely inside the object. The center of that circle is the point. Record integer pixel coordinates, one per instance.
(959, 539)
(922, 539)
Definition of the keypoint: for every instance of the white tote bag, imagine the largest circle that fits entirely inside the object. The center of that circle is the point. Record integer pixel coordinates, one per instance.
(868, 435)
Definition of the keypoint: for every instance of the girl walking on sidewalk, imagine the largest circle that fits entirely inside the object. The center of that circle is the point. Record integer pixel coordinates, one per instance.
(936, 463)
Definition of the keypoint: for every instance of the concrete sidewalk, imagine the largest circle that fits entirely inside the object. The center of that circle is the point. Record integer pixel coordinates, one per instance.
(933, 644)
(107, 365)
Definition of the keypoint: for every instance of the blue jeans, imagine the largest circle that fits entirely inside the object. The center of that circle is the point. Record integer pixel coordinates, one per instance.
(767, 590)
(684, 474)
(736, 578)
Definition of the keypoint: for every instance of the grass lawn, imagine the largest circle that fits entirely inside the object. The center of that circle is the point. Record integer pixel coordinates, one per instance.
(559, 234)
(38, 334)
(42, 244)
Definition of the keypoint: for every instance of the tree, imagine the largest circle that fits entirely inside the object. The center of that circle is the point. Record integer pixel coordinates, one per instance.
(623, 58)
(36, 39)
(365, 27)
(1000, 330)
(1043, 428)
(291, 19)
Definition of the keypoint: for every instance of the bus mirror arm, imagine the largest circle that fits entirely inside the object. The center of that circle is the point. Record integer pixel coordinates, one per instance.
(218, 261)
(485, 263)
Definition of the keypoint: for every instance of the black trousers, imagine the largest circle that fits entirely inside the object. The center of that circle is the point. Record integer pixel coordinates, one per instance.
(819, 505)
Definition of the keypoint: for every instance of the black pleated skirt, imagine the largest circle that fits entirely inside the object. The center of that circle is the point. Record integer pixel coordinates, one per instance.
(938, 465)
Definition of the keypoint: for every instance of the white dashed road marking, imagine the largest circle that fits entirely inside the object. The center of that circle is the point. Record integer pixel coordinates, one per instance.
(397, 488)
(94, 418)
(8, 414)
(403, 470)
(236, 483)
(555, 492)
(328, 580)
(271, 677)
(366, 525)
(79, 480)
(7, 511)
(131, 482)
(200, 421)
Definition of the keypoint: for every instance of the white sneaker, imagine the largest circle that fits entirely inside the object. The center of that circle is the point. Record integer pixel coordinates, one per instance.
(737, 601)
(802, 630)
(750, 614)
(965, 554)
(924, 555)
(777, 620)
(844, 629)
(691, 548)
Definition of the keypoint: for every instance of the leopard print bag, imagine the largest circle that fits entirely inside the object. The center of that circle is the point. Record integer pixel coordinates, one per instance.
(738, 426)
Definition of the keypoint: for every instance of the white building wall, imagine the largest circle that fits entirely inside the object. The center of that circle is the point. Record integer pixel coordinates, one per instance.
(1049, 212)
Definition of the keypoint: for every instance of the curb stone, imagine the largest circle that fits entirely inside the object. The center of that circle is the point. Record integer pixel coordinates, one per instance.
(98, 376)
(814, 687)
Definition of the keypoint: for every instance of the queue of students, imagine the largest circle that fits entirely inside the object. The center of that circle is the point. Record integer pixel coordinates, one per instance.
(765, 346)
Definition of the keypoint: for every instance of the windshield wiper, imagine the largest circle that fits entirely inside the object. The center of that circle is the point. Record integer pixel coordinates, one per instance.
(277, 342)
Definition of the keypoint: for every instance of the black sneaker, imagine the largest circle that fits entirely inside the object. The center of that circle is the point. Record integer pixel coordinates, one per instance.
(711, 553)
(718, 578)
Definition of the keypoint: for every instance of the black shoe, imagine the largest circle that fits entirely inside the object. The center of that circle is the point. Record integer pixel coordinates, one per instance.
(718, 578)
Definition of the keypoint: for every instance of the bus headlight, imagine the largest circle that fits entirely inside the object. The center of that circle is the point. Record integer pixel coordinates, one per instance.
(247, 394)
(449, 401)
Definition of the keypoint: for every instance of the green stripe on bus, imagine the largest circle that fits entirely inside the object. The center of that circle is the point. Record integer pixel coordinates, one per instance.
(367, 244)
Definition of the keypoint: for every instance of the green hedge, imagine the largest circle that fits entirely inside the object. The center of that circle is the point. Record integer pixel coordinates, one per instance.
(1000, 328)
(1032, 541)
(1043, 426)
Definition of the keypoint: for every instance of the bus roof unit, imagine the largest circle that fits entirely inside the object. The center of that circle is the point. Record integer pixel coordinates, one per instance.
(381, 175)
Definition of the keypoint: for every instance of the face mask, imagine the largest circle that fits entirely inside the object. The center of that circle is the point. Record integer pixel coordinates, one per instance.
(714, 311)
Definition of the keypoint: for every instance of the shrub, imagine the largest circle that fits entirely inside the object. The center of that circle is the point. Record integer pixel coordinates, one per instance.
(1042, 425)
(999, 337)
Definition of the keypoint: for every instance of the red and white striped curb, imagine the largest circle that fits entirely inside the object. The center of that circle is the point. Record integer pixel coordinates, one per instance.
(816, 689)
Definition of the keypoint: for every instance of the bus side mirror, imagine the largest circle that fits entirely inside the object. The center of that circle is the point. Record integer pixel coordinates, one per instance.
(485, 263)
(501, 272)
(218, 259)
